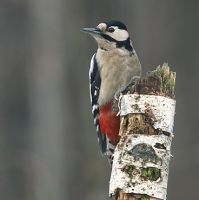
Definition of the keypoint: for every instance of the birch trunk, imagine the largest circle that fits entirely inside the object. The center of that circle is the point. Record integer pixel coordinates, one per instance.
(141, 159)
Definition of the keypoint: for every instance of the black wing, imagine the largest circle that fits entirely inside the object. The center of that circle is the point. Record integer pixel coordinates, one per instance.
(95, 82)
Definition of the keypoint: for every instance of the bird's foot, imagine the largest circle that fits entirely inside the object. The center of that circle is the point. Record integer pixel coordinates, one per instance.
(125, 88)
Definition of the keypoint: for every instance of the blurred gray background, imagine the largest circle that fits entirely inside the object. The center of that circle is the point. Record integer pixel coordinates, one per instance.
(48, 144)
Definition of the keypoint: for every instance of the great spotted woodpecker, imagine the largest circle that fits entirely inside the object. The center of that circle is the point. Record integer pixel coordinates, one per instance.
(112, 68)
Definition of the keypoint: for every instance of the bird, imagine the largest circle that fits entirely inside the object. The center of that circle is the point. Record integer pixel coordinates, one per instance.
(113, 68)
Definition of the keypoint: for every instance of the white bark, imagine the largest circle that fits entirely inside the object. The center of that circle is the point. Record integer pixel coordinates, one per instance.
(163, 109)
(140, 152)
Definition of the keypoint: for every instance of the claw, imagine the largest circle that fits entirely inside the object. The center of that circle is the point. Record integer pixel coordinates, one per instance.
(124, 88)
(117, 95)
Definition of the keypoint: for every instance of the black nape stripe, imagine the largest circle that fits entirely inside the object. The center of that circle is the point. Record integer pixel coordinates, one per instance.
(126, 43)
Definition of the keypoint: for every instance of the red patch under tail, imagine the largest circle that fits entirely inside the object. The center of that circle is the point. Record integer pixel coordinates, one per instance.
(109, 123)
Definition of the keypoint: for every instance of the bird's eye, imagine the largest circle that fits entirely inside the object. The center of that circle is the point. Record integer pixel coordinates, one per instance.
(111, 29)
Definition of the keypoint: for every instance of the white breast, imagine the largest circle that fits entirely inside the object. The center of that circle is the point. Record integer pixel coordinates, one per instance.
(116, 67)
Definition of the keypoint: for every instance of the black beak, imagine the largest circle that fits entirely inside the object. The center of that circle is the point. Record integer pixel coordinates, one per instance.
(92, 31)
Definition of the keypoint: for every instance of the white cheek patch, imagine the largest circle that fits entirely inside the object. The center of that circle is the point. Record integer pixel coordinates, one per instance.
(119, 35)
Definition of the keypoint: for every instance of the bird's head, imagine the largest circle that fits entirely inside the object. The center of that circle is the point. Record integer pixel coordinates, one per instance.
(110, 35)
